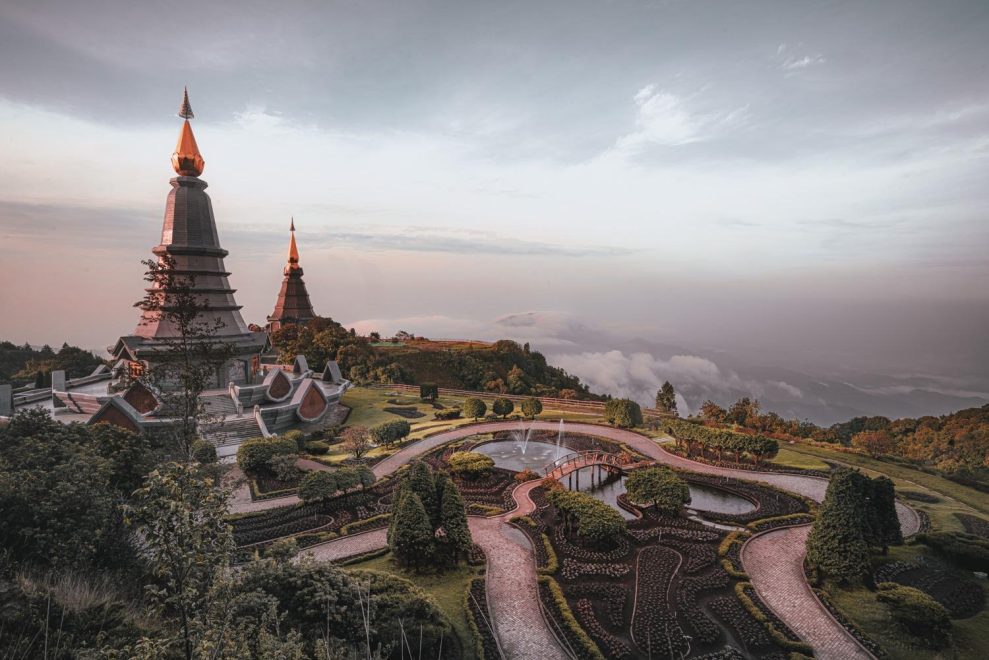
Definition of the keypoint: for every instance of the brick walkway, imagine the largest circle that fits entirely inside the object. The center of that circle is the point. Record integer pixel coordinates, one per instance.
(774, 562)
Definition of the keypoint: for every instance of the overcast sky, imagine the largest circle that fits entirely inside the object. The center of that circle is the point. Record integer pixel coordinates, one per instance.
(804, 181)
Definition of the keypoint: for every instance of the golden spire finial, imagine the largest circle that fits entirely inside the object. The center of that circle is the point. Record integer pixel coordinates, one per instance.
(186, 160)
(293, 249)
(185, 111)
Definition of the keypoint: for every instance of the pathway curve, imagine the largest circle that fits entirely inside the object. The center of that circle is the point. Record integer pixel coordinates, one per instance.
(774, 562)
(774, 559)
(513, 593)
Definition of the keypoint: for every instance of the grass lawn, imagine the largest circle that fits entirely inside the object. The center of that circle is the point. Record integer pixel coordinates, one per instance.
(793, 459)
(953, 496)
(970, 636)
(447, 588)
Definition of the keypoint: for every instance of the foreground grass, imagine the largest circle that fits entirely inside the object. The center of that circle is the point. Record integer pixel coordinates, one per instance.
(447, 588)
(970, 637)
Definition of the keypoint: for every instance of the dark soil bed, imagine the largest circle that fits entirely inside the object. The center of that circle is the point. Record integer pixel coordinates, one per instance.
(974, 524)
(407, 413)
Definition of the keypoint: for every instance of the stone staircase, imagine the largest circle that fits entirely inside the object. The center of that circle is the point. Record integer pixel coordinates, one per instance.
(220, 405)
(233, 432)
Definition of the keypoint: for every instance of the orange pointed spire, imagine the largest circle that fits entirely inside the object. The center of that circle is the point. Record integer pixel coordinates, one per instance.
(293, 249)
(186, 160)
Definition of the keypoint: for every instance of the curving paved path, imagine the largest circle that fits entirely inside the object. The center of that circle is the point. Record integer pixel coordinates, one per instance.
(773, 560)
(513, 596)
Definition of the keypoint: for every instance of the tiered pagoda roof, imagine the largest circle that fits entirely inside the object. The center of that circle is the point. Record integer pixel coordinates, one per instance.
(293, 305)
(190, 239)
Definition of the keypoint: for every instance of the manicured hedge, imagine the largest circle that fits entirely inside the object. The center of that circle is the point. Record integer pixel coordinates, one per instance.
(695, 437)
(254, 454)
(964, 550)
(918, 613)
(553, 597)
(757, 613)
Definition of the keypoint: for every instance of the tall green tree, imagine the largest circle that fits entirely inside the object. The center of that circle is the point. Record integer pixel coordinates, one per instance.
(666, 399)
(474, 407)
(659, 486)
(420, 481)
(456, 538)
(188, 361)
(179, 516)
(412, 541)
(837, 543)
(531, 407)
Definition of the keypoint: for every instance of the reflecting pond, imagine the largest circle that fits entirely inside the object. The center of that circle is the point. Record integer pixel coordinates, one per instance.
(509, 454)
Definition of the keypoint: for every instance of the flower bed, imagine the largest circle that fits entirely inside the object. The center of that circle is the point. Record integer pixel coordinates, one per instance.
(613, 647)
(705, 630)
(751, 632)
(476, 606)
(611, 598)
(696, 556)
(573, 569)
(653, 622)
(570, 549)
(683, 533)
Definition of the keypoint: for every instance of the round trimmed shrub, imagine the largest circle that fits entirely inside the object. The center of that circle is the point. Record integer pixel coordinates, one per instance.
(204, 452)
(298, 437)
(918, 613)
(254, 455)
(474, 407)
(623, 413)
(502, 407)
(318, 486)
(532, 407)
(317, 447)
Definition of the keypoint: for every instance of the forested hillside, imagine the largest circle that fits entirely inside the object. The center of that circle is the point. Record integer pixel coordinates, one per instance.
(504, 366)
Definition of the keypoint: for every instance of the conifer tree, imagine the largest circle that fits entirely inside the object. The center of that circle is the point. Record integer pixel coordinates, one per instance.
(412, 536)
(837, 544)
(884, 523)
(456, 539)
(420, 481)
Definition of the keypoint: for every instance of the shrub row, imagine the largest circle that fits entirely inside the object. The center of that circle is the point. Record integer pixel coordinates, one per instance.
(780, 521)
(693, 437)
(586, 554)
(374, 522)
(551, 564)
(964, 550)
(553, 600)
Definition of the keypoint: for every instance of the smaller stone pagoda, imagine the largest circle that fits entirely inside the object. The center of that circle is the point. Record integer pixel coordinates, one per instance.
(293, 305)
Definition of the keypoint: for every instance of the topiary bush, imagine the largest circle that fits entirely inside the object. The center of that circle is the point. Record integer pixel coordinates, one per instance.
(532, 407)
(317, 447)
(470, 464)
(298, 437)
(318, 486)
(474, 407)
(623, 413)
(429, 391)
(502, 407)
(254, 455)
(204, 452)
(918, 613)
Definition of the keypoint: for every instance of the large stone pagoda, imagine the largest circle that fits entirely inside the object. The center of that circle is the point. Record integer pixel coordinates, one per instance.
(190, 239)
(293, 305)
